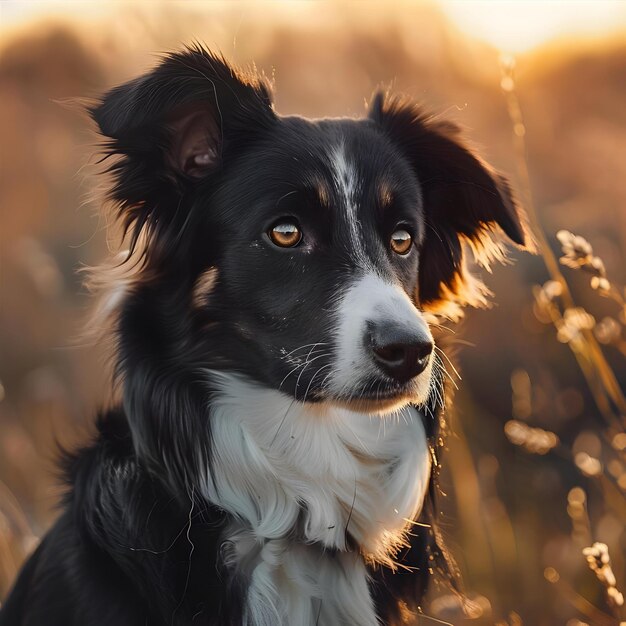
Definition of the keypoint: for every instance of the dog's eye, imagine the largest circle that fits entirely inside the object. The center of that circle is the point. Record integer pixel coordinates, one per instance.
(401, 241)
(285, 234)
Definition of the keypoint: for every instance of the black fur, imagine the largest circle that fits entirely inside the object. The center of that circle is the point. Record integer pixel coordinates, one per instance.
(137, 544)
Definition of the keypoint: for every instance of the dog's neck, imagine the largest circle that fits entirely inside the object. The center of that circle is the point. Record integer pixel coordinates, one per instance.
(310, 489)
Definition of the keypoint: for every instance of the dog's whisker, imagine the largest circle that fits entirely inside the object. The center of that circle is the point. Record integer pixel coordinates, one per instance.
(447, 358)
(307, 345)
(434, 386)
(282, 421)
(300, 365)
(323, 386)
(295, 369)
(437, 362)
(442, 327)
(351, 511)
(306, 393)
(307, 363)
(191, 497)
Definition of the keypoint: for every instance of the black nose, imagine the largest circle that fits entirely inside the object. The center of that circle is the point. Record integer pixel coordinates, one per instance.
(401, 354)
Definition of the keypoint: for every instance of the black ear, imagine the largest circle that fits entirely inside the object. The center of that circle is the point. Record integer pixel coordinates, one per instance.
(464, 200)
(174, 126)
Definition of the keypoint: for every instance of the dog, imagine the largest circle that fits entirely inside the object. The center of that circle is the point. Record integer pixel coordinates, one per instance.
(272, 459)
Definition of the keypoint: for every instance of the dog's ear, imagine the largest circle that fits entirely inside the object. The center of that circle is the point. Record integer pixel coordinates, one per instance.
(464, 201)
(174, 128)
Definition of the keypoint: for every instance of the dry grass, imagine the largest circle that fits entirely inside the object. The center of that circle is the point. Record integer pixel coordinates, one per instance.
(603, 472)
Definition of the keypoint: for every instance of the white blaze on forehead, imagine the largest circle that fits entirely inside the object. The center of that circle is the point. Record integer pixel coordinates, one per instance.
(370, 299)
(348, 184)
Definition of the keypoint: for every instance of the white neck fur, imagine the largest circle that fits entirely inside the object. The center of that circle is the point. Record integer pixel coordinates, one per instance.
(297, 479)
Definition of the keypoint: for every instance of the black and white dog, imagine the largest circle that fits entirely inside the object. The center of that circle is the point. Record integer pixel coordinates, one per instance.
(271, 459)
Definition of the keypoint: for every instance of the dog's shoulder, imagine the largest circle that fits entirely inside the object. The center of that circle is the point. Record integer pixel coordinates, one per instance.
(68, 581)
(121, 535)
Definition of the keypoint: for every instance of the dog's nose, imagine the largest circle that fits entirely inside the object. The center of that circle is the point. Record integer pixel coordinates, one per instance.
(400, 353)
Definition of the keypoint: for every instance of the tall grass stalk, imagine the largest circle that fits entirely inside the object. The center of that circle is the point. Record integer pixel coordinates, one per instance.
(576, 328)
(601, 379)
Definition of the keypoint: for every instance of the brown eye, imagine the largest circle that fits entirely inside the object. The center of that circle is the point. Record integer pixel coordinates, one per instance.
(401, 241)
(285, 234)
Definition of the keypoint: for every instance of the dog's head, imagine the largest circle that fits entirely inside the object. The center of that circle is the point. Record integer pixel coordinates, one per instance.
(302, 254)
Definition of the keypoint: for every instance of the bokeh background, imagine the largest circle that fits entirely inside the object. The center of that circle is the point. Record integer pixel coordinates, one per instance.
(541, 89)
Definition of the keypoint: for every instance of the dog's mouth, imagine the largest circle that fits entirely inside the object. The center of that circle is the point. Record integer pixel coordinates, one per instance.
(380, 398)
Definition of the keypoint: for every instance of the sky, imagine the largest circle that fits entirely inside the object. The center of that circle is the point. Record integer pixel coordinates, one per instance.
(521, 25)
(512, 26)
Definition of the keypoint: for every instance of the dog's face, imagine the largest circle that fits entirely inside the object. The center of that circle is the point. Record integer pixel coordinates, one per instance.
(303, 253)
(321, 227)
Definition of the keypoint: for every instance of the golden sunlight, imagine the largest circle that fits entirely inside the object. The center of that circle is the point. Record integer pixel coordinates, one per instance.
(515, 26)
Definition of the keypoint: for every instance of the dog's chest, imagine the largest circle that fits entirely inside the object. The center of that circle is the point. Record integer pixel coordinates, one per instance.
(289, 583)
(306, 487)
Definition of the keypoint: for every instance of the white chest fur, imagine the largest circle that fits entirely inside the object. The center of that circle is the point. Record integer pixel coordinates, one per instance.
(299, 478)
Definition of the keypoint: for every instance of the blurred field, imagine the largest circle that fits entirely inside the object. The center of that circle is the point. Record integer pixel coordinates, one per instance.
(514, 520)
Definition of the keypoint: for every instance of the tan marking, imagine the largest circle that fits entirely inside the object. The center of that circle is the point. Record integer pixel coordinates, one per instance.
(385, 195)
(203, 287)
(323, 193)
